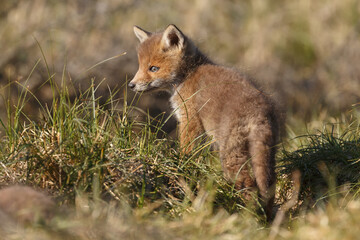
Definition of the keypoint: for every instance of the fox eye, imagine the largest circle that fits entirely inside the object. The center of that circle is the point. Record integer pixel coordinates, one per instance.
(154, 69)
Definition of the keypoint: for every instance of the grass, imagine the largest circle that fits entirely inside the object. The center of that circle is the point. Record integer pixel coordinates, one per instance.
(115, 176)
(81, 146)
(326, 160)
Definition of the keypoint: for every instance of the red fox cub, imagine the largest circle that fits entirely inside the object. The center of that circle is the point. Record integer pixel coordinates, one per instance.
(214, 100)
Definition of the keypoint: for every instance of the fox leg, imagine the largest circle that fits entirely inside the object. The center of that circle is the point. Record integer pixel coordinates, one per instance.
(188, 132)
(235, 162)
(262, 151)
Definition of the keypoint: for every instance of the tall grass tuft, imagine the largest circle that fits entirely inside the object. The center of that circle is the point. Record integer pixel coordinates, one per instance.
(328, 162)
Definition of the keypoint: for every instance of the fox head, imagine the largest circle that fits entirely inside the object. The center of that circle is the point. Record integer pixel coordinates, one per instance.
(161, 59)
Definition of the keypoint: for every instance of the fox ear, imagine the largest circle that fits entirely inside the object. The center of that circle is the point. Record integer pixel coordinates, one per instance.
(172, 37)
(141, 34)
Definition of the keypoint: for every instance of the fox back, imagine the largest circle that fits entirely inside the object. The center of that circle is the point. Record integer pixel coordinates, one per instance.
(217, 101)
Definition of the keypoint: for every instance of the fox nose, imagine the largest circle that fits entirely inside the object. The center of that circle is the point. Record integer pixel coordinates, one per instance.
(131, 85)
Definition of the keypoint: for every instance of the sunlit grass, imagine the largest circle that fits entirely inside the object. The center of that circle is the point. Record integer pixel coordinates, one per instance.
(110, 169)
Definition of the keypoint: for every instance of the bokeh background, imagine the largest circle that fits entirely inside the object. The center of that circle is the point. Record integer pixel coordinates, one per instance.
(305, 53)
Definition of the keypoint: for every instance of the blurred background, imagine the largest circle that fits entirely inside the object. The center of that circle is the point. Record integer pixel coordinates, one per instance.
(304, 53)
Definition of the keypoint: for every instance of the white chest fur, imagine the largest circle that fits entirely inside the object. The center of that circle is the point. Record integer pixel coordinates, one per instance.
(176, 103)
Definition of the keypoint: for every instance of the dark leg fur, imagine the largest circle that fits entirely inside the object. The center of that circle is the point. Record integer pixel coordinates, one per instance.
(262, 151)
